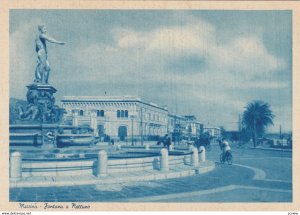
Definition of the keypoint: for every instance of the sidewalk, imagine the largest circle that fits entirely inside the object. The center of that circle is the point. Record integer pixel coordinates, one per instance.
(271, 149)
(174, 172)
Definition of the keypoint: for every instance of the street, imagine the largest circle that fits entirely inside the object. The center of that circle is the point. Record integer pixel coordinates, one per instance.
(255, 176)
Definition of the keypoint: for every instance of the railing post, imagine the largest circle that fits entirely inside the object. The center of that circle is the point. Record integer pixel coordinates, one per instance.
(16, 166)
(147, 147)
(195, 157)
(202, 153)
(102, 164)
(119, 147)
(164, 160)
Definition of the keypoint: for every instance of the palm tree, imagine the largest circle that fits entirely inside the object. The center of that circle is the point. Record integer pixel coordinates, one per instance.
(256, 118)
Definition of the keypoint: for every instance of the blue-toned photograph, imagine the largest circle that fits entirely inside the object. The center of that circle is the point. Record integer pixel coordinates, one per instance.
(190, 106)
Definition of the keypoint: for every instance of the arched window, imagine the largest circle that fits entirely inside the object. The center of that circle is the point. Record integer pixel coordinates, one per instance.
(118, 114)
(81, 113)
(122, 113)
(102, 113)
(126, 113)
(190, 128)
(98, 113)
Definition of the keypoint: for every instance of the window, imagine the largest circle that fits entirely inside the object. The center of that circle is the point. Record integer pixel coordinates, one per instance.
(81, 113)
(122, 114)
(190, 128)
(100, 113)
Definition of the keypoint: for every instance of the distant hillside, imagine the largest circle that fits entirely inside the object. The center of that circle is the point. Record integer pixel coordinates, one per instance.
(14, 101)
(13, 110)
(276, 135)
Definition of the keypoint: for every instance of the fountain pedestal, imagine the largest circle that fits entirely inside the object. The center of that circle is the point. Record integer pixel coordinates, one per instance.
(38, 120)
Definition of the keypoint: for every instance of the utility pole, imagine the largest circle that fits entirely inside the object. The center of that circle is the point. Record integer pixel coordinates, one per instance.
(132, 117)
(280, 134)
(141, 127)
(240, 128)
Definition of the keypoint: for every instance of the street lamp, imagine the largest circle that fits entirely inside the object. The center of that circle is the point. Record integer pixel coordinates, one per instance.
(141, 127)
(132, 118)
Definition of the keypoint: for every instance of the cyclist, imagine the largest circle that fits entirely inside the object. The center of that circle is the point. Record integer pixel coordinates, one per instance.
(225, 148)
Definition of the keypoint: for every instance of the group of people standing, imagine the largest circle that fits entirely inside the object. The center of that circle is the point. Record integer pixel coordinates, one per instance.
(203, 140)
(166, 141)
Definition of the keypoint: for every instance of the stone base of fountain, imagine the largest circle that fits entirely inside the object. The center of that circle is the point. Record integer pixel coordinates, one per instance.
(32, 134)
(50, 135)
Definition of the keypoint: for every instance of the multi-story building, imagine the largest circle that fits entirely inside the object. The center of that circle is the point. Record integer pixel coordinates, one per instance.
(186, 127)
(213, 131)
(194, 127)
(122, 117)
(177, 126)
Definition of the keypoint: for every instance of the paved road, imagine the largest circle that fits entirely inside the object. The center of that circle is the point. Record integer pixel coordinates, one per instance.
(256, 176)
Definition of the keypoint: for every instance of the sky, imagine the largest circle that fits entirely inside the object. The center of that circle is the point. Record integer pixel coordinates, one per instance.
(206, 63)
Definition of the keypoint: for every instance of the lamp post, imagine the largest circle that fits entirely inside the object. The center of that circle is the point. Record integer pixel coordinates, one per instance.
(141, 127)
(132, 117)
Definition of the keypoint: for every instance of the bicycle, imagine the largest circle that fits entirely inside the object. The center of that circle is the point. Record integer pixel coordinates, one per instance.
(227, 158)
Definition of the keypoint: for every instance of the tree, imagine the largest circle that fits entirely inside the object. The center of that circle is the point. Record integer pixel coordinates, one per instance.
(256, 117)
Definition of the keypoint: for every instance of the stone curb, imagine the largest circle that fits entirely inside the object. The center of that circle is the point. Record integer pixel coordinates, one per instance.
(273, 149)
(93, 180)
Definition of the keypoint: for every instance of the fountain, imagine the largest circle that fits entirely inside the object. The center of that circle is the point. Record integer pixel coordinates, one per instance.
(41, 145)
(39, 121)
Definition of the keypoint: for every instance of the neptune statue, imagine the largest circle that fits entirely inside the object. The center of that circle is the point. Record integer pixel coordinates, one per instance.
(40, 107)
(42, 70)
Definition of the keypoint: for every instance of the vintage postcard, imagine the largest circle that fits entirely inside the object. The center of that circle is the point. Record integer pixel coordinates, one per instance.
(149, 105)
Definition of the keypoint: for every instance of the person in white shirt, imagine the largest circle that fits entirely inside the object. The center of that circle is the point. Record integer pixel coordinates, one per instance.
(225, 148)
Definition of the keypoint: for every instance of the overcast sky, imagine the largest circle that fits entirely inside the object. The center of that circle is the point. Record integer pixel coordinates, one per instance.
(204, 63)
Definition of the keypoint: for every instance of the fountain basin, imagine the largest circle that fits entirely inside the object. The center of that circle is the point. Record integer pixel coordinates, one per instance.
(37, 135)
(24, 139)
(69, 163)
(65, 140)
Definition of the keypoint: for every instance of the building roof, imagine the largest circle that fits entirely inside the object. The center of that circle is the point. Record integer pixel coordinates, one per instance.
(212, 128)
(190, 117)
(101, 98)
(125, 98)
(176, 116)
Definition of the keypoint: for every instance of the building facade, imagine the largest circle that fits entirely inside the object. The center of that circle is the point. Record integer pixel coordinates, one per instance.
(184, 127)
(193, 126)
(177, 127)
(119, 117)
(213, 131)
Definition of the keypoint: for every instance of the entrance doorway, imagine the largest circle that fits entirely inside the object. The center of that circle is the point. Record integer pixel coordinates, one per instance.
(122, 132)
(101, 130)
